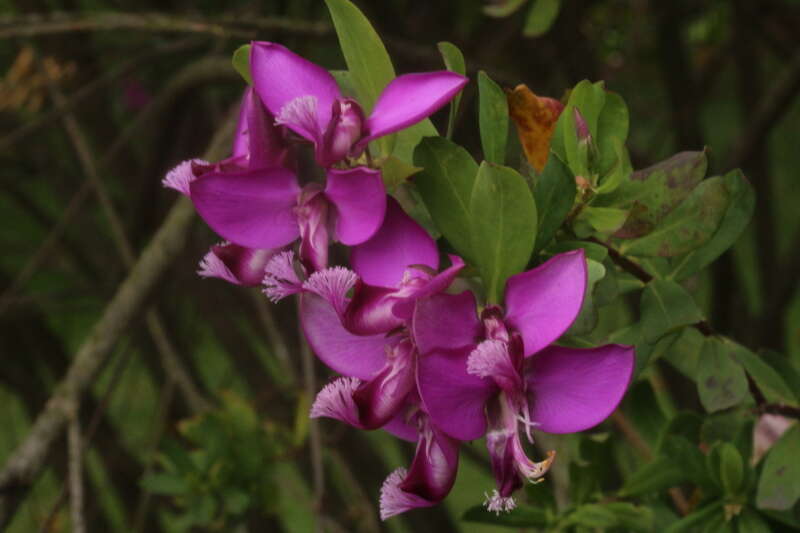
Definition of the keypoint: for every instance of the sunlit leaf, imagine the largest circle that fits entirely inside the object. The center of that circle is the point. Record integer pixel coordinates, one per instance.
(445, 185)
(502, 225)
(493, 119)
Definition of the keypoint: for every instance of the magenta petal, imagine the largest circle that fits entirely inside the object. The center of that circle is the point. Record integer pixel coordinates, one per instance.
(440, 282)
(266, 145)
(410, 98)
(351, 355)
(542, 303)
(446, 322)
(281, 76)
(384, 396)
(253, 209)
(241, 144)
(360, 200)
(453, 398)
(399, 427)
(428, 481)
(236, 264)
(399, 243)
(370, 311)
(574, 389)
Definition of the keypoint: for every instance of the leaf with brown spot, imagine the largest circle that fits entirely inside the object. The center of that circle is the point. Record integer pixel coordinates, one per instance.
(535, 117)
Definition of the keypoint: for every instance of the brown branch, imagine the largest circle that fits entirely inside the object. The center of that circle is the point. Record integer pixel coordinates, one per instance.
(88, 90)
(197, 73)
(788, 411)
(25, 463)
(155, 324)
(37, 24)
(76, 474)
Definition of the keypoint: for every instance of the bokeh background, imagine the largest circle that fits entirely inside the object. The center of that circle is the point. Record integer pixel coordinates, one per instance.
(100, 98)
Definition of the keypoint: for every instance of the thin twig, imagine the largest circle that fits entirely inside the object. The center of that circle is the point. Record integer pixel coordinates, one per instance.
(199, 72)
(88, 90)
(25, 463)
(37, 24)
(315, 441)
(155, 325)
(76, 475)
(94, 423)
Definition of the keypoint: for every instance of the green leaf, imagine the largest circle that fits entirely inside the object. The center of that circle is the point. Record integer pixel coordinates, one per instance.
(395, 171)
(656, 476)
(750, 521)
(503, 8)
(601, 221)
(589, 98)
(740, 209)
(593, 251)
(685, 352)
(620, 169)
(731, 468)
(779, 485)
(770, 382)
(631, 517)
(445, 185)
(655, 191)
(345, 82)
(721, 381)
(554, 191)
(725, 463)
(612, 131)
(688, 226)
(522, 516)
(367, 60)
(691, 459)
(241, 62)
(165, 484)
(366, 57)
(493, 119)
(541, 16)
(592, 515)
(236, 501)
(699, 518)
(407, 140)
(502, 225)
(665, 306)
(454, 62)
(587, 317)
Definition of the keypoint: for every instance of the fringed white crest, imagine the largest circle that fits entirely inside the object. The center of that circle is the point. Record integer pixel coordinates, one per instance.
(280, 278)
(332, 284)
(499, 504)
(211, 266)
(335, 400)
(488, 359)
(180, 177)
(395, 500)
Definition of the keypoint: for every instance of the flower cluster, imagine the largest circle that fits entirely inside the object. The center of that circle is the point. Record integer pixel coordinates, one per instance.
(417, 357)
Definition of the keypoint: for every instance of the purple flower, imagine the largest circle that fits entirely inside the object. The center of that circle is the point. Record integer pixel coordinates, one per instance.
(378, 360)
(236, 264)
(258, 143)
(487, 375)
(305, 98)
(254, 201)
